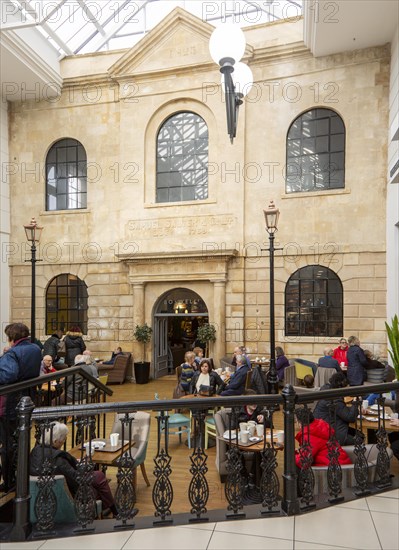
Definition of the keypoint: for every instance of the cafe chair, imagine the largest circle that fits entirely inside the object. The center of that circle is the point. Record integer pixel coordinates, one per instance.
(178, 424)
(323, 376)
(302, 370)
(118, 371)
(140, 434)
(210, 429)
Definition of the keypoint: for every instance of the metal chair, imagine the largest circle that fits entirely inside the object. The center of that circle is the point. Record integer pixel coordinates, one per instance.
(210, 429)
(178, 424)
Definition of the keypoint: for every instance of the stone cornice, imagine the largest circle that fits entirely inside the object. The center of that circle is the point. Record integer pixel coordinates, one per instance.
(280, 53)
(179, 256)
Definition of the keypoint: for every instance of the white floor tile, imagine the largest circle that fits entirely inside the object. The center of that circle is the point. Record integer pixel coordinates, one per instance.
(274, 527)
(168, 538)
(388, 505)
(204, 526)
(359, 504)
(389, 494)
(339, 526)
(103, 541)
(233, 541)
(310, 546)
(31, 545)
(387, 526)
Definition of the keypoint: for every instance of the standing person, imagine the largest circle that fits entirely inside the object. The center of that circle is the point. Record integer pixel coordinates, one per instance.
(51, 345)
(20, 362)
(74, 345)
(328, 361)
(340, 353)
(357, 362)
(281, 363)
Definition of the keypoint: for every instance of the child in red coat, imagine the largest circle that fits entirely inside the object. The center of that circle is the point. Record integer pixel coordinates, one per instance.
(317, 433)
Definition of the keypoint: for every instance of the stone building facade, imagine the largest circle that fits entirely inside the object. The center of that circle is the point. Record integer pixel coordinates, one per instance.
(132, 251)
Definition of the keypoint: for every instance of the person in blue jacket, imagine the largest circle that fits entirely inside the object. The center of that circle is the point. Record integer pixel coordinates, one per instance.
(236, 383)
(357, 362)
(20, 362)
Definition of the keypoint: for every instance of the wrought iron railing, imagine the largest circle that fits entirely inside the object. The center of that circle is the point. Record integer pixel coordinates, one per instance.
(294, 495)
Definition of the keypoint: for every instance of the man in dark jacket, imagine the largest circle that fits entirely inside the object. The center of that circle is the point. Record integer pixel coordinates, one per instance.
(21, 362)
(51, 345)
(328, 361)
(344, 415)
(357, 362)
(236, 383)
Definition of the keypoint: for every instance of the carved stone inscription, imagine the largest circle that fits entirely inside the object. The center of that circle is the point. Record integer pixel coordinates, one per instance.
(164, 227)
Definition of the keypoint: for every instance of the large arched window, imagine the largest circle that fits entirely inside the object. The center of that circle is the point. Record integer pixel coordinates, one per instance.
(66, 303)
(182, 159)
(316, 152)
(66, 176)
(314, 303)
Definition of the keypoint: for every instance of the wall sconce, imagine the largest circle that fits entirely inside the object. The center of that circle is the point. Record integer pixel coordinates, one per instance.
(227, 46)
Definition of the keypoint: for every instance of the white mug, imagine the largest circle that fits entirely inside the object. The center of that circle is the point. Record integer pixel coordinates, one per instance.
(365, 405)
(243, 426)
(114, 439)
(260, 430)
(244, 435)
(280, 438)
(251, 429)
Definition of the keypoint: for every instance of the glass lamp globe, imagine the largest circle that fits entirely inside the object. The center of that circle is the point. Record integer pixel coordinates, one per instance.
(242, 78)
(227, 40)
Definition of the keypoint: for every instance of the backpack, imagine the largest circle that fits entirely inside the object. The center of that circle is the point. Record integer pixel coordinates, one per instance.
(61, 348)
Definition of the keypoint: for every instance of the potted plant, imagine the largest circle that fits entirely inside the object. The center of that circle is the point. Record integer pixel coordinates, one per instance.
(142, 333)
(393, 337)
(206, 333)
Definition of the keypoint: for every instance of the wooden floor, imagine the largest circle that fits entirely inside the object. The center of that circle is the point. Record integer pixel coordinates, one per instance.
(179, 452)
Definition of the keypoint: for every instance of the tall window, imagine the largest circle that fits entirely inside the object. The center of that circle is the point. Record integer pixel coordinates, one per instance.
(182, 159)
(66, 176)
(314, 303)
(66, 303)
(316, 152)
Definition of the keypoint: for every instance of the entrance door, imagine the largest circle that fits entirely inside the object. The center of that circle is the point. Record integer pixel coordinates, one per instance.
(161, 346)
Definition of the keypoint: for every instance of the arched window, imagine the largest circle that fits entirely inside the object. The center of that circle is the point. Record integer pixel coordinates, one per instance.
(66, 303)
(314, 303)
(182, 159)
(66, 176)
(316, 152)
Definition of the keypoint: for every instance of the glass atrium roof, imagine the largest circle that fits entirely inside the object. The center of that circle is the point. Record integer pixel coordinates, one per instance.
(84, 26)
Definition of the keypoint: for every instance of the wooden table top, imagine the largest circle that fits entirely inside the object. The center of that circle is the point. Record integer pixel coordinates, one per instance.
(256, 447)
(373, 424)
(105, 458)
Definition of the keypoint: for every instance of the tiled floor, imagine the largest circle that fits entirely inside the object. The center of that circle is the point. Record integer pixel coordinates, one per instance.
(365, 524)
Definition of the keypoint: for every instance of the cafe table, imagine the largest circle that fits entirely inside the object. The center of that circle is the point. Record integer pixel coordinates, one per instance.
(107, 456)
(370, 423)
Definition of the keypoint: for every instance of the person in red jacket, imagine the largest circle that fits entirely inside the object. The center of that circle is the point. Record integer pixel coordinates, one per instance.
(341, 351)
(317, 432)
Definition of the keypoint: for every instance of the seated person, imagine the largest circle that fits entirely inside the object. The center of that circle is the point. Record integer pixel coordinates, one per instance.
(250, 412)
(206, 379)
(85, 362)
(117, 351)
(281, 363)
(187, 370)
(341, 352)
(65, 464)
(235, 383)
(372, 362)
(308, 381)
(199, 355)
(240, 350)
(46, 366)
(317, 431)
(328, 362)
(344, 414)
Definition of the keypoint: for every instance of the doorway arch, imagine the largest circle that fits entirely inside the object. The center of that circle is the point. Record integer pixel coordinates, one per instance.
(177, 315)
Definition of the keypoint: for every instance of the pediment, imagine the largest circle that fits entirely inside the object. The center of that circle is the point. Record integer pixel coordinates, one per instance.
(178, 43)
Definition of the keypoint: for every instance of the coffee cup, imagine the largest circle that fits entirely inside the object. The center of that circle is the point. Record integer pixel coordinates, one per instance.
(251, 429)
(89, 449)
(280, 438)
(365, 405)
(114, 439)
(244, 436)
(243, 426)
(342, 364)
(260, 430)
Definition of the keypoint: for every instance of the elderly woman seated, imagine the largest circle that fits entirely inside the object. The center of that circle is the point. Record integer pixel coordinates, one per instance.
(65, 464)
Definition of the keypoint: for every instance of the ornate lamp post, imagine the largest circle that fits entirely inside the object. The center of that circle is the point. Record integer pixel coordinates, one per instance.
(227, 46)
(33, 234)
(271, 216)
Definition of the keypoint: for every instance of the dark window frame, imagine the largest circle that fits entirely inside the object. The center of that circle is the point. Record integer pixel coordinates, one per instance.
(314, 303)
(72, 289)
(66, 176)
(315, 152)
(182, 157)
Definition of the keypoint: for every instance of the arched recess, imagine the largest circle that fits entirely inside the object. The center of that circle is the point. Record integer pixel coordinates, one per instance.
(177, 314)
(66, 303)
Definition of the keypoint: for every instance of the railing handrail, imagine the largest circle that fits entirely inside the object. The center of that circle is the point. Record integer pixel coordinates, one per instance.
(40, 380)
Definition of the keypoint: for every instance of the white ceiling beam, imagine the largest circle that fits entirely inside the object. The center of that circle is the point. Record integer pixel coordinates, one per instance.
(92, 17)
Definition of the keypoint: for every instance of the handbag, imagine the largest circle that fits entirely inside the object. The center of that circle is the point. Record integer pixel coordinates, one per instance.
(206, 391)
(61, 348)
(178, 391)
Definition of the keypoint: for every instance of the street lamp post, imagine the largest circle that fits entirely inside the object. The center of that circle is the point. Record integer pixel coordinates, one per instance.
(271, 216)
(33, 234)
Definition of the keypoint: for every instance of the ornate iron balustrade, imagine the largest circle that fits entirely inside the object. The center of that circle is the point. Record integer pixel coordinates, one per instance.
(270, 500)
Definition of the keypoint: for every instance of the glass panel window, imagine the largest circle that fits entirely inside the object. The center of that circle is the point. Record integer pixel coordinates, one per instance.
(316, 152)
(66, 303)
(66, 170)
(314, 303)
(182, 159)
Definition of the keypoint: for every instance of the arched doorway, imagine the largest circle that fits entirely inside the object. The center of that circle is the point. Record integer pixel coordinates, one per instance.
(177, 316)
